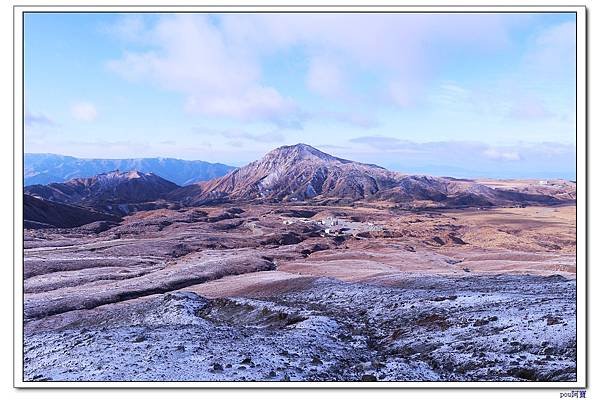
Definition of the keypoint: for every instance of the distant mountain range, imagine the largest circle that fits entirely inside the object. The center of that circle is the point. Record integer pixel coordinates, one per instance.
(50, 168)
(286, 174)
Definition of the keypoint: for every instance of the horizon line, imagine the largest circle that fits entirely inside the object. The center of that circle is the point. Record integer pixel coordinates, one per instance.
(467, 174)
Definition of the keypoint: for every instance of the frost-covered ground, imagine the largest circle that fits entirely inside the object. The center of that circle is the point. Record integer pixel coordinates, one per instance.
(425, 328)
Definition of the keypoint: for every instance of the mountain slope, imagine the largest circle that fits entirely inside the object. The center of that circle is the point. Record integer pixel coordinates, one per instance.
(301, 172)
(43, 169)
(296, 172)
(110, 192)
(39, 213)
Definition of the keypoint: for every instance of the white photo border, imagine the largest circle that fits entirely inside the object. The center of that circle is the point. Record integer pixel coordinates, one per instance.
(581, 178)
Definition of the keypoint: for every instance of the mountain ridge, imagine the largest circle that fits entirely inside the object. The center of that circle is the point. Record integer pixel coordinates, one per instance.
(106, 192)
(296, 173)
(46, 168)
(301, 172)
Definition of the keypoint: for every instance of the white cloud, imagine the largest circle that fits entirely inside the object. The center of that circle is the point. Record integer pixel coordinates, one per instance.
(553, 52)
(497, 154)
(32, 119)
(502, 101)
(219, 78)
(217, 62)
(384, 143)
(461, 149)
(547, 76)
(129, 27)
(529, 108)
(404, 92)
(354, 118)
(84, 111)
(451, 94)
(391, 46)
(253, 104)
(464, 158)
(274, 136)
(325, 78)
(393, 41)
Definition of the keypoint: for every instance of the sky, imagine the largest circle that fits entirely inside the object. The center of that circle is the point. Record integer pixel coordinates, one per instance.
(443, 94)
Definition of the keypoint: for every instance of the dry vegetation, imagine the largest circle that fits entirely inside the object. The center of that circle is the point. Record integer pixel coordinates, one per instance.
(304, 292)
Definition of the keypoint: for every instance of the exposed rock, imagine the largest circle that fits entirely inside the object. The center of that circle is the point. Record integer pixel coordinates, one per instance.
(368, 378)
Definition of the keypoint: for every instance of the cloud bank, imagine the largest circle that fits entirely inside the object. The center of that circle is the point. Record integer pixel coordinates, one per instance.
(220, 63)
(467, 158)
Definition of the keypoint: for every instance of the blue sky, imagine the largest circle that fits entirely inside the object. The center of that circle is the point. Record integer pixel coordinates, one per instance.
(445, 94)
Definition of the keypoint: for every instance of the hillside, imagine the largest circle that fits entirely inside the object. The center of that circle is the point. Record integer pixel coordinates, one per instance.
(110, 192)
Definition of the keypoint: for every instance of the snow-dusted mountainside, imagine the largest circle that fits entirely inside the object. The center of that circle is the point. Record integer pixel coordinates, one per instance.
(289, 173)
(107, 192)
(301, 172)
(42, 169)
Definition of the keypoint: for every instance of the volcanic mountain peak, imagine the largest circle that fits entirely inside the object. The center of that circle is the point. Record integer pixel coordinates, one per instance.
(286, 156)
(295, 172)
(300, 152)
